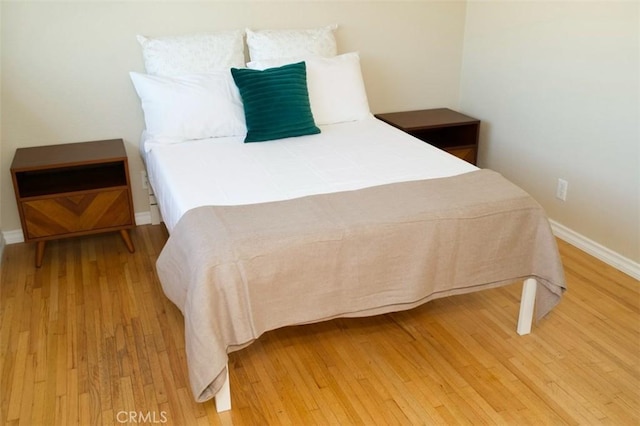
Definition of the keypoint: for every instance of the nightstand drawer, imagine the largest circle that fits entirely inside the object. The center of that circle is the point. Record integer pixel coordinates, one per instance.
(88, 211)
(466, 153)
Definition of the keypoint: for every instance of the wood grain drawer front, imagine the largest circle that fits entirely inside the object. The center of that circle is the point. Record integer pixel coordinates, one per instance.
(79, 213)
(467, 154)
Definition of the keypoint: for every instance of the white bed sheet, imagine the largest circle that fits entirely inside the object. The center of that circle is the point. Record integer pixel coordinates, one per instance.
(343, 157)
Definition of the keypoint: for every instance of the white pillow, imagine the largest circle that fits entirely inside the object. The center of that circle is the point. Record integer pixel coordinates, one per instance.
(193, 106)
(200, 53)
(273, 44)
(336, 89)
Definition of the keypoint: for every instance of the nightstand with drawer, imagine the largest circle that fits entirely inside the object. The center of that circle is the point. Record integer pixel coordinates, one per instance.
(446, 129)
(73, 189)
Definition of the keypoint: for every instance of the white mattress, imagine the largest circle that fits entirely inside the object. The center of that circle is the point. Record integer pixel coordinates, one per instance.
(345, 156)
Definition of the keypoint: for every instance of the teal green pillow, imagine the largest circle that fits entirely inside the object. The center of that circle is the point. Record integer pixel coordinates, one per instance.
(276, 102)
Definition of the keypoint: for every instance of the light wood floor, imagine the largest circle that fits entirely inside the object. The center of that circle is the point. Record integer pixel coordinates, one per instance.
(90, 339)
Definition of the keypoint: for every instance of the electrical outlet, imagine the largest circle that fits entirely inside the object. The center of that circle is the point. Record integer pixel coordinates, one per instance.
(145, 180)
(561, 190)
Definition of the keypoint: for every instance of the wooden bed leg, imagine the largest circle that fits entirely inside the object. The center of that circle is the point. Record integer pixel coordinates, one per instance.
(527, 303)
(223, 397)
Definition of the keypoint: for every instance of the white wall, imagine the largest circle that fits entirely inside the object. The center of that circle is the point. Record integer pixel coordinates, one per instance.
(556, 85)
(2, 240)
(65, 65)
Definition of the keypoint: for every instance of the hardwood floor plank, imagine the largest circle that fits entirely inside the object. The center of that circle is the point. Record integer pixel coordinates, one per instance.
(28, 390)
(73, 400)
(18, 382)
(61, 411)
(90, 335)
(156, 372)
(40, 398)
(84, 412)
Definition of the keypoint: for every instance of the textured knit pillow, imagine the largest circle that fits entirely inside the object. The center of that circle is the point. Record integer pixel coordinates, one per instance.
(273, 44)
(189, 54)
(276, 102)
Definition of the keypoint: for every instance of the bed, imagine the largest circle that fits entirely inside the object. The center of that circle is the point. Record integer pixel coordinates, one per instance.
(351, 217)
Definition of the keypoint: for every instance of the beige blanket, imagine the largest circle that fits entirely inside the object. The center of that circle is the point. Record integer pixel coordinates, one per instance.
(238, 271)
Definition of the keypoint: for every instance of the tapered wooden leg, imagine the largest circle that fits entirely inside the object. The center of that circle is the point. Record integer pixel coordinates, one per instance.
(39, 253)
(127, 240)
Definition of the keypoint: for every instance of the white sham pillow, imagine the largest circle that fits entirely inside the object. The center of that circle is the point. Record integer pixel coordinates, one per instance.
(193, 106)
(198, 53)
(274, 44)
(336, 89)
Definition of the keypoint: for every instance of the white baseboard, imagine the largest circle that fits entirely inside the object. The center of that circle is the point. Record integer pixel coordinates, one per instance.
(13, 237)
(143, 218)
(596, 250)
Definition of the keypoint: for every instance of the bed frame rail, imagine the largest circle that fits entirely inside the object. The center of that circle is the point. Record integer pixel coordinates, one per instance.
(525, 320)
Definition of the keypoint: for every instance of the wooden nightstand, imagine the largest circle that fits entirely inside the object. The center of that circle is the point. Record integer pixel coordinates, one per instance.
(444, 128)
(73, 189)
